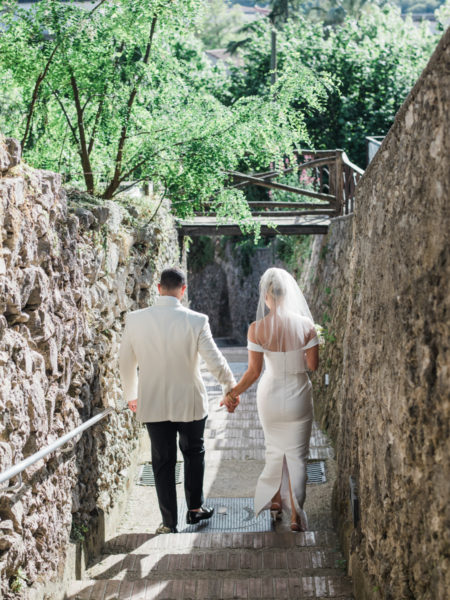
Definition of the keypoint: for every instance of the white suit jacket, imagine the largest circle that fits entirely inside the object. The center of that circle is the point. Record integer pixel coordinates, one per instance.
(166, 342)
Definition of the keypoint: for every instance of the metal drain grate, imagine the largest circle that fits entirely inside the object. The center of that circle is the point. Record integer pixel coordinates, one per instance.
(316, 471)
(147, 477)
(231, 514)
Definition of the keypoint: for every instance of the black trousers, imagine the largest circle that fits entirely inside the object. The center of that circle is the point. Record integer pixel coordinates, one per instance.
(163, 438)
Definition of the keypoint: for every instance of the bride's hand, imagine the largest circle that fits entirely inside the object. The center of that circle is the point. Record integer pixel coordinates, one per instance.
(231, 402)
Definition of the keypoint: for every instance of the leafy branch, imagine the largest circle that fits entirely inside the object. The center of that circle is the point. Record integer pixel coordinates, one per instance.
(132, 97)
(42, 76)
(115, 182)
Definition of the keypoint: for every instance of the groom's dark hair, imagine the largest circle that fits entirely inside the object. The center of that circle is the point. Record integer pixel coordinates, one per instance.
(172, 278)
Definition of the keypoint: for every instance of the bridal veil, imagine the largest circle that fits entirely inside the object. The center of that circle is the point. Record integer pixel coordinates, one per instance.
(283, 319)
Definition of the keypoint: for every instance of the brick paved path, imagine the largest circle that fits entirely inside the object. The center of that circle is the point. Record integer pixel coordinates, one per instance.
(137, 565)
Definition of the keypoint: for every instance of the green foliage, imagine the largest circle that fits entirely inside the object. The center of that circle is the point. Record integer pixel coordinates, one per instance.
(294, 251)
(219, 23)
(243, 248)
(332, 12)
(78, 532)
(341, 563)
(324, 251)
(328, 336)
(373, 63)
(124, 93)
(442, 15)
(419, 6)
(201, 253)
(18, 581)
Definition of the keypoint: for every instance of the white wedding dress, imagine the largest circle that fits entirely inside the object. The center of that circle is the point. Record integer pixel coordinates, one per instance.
(285, 408)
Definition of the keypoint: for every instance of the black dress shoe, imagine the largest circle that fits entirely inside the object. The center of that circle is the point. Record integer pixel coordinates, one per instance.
(164, 529)
(195, 516)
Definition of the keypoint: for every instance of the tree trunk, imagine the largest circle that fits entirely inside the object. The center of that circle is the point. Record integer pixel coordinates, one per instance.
(84, 151)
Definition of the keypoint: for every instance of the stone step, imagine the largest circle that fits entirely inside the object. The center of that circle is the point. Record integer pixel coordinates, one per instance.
(237, 421)
(268, 587)
(214, 423)
(222, 432)
(146, 543)
(227, 443)
(244, 452)
(230, 563)
(223, 415)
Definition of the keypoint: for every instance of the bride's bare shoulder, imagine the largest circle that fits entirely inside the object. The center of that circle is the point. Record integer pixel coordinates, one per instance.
(251, 334)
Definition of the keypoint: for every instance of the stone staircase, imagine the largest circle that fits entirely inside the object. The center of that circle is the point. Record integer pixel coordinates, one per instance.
(211, 564)
(217, 565)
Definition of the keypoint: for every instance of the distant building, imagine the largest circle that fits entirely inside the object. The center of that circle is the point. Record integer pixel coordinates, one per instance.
(217, 55)
(252, 13)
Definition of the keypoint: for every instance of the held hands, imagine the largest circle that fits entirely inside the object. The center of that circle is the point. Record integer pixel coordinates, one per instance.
(230, 401)
(132, 405)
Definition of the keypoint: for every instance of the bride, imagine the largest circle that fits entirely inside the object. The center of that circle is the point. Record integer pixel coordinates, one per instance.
(284, 335)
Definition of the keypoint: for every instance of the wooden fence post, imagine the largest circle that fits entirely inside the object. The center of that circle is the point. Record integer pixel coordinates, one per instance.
(339, 183)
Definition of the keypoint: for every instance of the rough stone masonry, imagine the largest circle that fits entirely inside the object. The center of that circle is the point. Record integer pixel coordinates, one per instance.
(70, 266)
(382, 291)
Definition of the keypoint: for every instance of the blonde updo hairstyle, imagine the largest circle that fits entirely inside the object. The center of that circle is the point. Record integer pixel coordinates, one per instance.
(272, 285)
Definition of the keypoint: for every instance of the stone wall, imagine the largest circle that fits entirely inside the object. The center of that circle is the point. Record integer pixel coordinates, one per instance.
(70, 267)
(226, 288)
(382, 290)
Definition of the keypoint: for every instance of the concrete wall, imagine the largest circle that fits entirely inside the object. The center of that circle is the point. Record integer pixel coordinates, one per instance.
(69, 270)
(382, 290)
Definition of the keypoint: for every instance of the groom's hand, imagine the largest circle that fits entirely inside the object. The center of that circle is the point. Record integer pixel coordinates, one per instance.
(235, 403)
(229, 408)
(132, 405)
(230, 403)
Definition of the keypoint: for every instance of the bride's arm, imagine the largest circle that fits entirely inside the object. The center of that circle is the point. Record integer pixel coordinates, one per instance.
(312, 350)
(255, 365)
(312, 358)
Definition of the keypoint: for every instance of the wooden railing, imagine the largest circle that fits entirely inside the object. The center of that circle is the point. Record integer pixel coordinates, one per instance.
(350, 176)
(318, 186)
(327, 176)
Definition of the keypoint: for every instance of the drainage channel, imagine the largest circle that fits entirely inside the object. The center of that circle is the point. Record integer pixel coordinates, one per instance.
(315, 470)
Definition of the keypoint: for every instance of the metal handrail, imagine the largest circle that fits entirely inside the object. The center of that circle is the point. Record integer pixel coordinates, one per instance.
(348, 162)
(31, 460)
(373, 142)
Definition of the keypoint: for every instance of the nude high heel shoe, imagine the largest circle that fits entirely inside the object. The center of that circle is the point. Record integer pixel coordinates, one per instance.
(275, 511)
(295, 526)
(299, 522)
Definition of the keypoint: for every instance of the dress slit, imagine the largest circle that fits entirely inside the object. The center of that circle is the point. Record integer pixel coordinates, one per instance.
(266, 490)
(298, 488)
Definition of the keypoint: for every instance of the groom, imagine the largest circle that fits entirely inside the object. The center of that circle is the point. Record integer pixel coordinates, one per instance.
(165, 342)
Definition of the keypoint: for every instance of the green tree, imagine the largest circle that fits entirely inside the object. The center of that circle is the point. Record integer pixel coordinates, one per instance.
(123, 93)
(442, 15)
(373, 61)
(419, 6)
(333, 12)
(219, 23)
